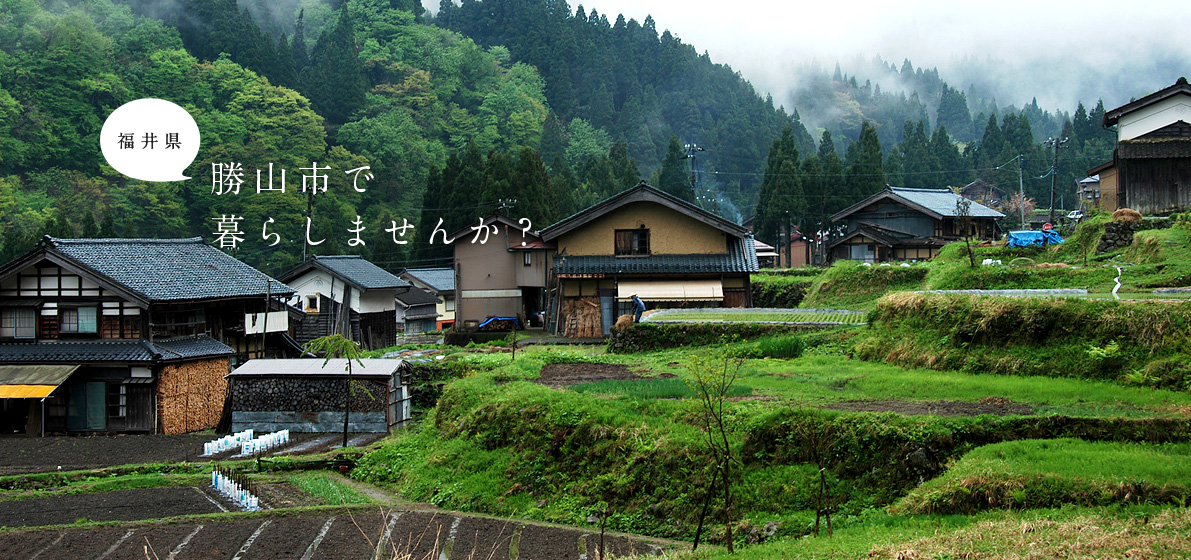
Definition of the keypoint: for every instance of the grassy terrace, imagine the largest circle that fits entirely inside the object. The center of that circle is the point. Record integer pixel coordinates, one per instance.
(789, 316)
(502, 444)
(825, 375)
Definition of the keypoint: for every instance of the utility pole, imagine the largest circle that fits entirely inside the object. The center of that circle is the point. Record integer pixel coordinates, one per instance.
(690, 150)
(505, 204)
(1054, 171)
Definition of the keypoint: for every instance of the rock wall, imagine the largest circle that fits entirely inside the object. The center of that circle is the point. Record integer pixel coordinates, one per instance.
(1118, 235)
(261, 394)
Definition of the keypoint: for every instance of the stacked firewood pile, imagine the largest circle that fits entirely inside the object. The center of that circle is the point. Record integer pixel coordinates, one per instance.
(581, 318)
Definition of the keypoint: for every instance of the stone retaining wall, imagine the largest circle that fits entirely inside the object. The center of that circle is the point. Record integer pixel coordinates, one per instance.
(301, 394)
(1118, 235)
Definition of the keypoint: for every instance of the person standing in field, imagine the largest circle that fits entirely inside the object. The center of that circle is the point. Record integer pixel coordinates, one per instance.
(638, 308)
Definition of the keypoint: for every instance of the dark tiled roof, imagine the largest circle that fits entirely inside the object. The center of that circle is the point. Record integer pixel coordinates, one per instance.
(640, 193)
(416, 296)
(439, 279)
(352, 268)
(169, 269)
(1158, 148)
(741, 258)
(188, 347)
(134, 351)
(942, 202)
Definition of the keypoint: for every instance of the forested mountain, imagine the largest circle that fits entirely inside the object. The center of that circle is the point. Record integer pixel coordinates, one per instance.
(638, 86)
(487, 101)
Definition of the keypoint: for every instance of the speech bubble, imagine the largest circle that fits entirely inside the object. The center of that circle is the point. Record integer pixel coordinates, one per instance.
(150, 139)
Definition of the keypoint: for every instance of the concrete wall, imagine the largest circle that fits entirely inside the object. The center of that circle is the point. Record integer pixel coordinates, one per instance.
(671, 232)
(490, 276)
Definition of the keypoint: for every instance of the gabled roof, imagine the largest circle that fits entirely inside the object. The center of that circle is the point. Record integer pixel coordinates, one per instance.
(741, 258)
(937, 203)
(440, 280)
(1180, 87)
(640, 193)
(352, 269)
(154, 270)
(117, 351)
(319, 367)
(463, 232)
(982, 184)
(416, 296)
(887, 237)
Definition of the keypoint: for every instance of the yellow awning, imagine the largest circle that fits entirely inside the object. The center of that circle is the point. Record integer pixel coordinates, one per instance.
(32, 381)
(26, 391)
(671, 290)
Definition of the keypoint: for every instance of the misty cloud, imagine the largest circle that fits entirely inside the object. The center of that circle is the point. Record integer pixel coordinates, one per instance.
(1060, 53)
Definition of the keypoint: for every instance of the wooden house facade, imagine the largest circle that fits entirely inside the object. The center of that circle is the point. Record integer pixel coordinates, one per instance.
(1152, 161)
(899, 224)
(643, 241)
(129, 335)
(348, 295)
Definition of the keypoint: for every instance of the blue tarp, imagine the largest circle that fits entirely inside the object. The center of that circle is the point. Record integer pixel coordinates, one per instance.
(1033, 238)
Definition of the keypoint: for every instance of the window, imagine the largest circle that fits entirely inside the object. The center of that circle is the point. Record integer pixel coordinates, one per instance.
(117, 400)
(528, 258)
(312, 303)
(632, 242)
(18, 322)
(450, 303)
(77, 320)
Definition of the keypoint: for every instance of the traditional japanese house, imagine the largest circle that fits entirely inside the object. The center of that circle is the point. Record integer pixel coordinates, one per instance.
(1151, 165)
(439, 282)
(643, 241)
(348, 295)
(130, 335)
(416, 311)
(900, 224)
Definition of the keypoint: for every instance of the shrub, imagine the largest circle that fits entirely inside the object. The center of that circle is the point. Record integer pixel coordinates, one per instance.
(779, 291)
(785, 347)
(645, 337)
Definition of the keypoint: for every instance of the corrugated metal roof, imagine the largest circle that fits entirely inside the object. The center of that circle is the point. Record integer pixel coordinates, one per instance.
(942, 202)
(169, 269)
(439, 279)
(35, 374)
(742, 257)
(372, 367)
(353, 268)
(130, 351)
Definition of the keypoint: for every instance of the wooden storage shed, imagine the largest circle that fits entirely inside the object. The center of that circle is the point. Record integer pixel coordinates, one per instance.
(307, 395)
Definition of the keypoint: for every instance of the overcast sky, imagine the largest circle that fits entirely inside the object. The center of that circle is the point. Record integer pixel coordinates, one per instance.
(1062, 52)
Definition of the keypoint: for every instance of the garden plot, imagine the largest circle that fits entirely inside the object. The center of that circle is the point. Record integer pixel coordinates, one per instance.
(757, 315)
(356, 533)
(118, 505)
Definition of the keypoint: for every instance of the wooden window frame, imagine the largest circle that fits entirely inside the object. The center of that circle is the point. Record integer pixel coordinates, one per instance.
(632, 243)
